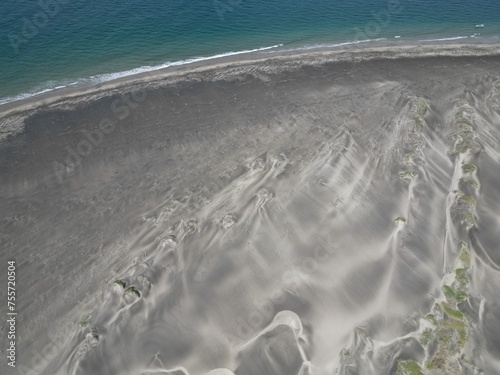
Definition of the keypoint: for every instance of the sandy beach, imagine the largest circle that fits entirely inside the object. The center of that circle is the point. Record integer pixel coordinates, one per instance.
(314, 212)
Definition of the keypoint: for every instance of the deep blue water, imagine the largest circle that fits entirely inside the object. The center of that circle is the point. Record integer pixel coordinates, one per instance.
(45, 43)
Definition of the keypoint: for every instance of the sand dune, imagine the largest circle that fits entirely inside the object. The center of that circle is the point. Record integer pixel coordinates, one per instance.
(291, 216)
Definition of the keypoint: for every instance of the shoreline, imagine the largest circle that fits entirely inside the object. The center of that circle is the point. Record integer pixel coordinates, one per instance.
(286, 58)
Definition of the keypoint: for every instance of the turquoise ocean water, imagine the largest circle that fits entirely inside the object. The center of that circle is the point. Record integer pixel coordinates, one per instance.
(52, 43)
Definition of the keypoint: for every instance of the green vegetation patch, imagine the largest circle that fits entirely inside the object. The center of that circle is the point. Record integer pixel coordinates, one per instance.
(431, 318)
(426, 336)
(449, 292)
(465, 146)
(85, 320)
(120, 282)
(400, 219)
(408, 367)
(452, 313)
(469, 167)
(422, 106)
(457, 326)
(469, 198)
(453, 295)
(133, 290)
(462, 296)
(450, 331)
(451, 339)
(465, 256)
(468, 182)
(461, 277)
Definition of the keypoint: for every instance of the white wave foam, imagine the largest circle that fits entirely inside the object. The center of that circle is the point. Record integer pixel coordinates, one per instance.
(144, 69)
(330, 45)
(23, 96)
(445, 39)
(106, 77)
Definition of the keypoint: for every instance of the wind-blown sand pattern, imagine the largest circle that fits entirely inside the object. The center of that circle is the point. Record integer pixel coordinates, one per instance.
(309, 215)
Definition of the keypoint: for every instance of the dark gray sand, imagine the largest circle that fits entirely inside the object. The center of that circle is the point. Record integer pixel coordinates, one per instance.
(320, 214)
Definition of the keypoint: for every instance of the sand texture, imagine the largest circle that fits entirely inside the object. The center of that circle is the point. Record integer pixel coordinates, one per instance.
(288, 216)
